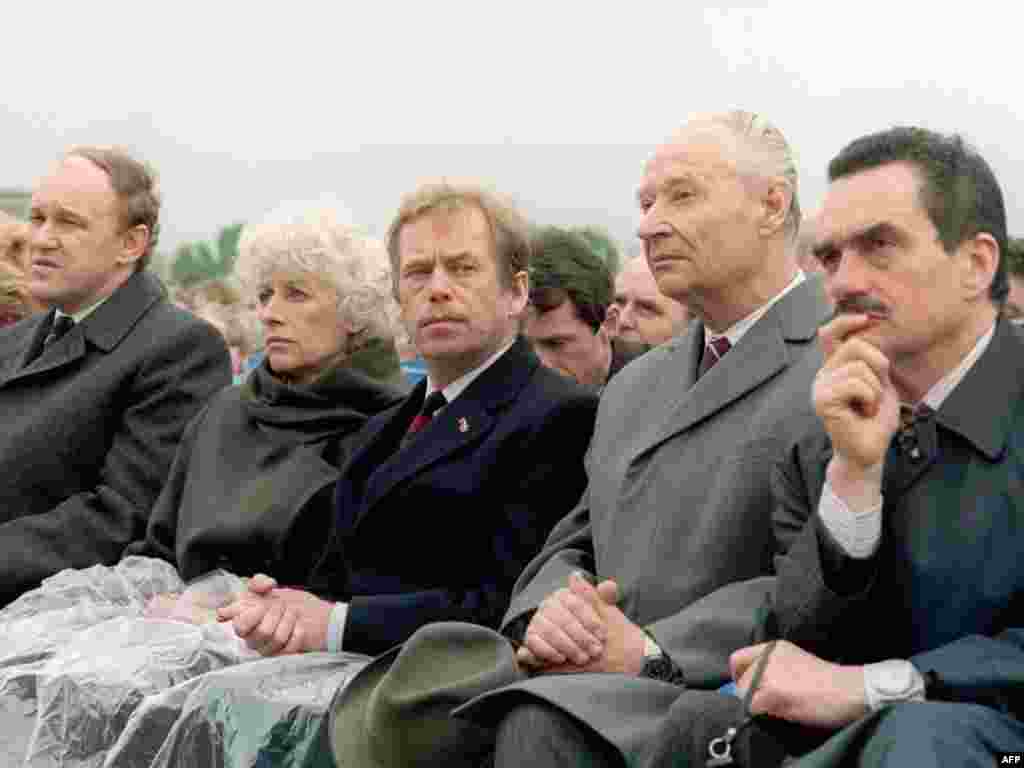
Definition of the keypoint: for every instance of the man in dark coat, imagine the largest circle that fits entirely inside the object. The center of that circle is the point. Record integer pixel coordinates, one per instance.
(900, 602)
(454, 491)
(94, 394)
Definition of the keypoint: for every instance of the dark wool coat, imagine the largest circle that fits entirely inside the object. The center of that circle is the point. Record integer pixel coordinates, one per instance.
(89, 428)
(244, 492)
(440, 530)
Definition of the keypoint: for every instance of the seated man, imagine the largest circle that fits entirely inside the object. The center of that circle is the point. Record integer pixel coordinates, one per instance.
(94, 395)
(640, 313)
(455, 490)
(570, 290)
(678, 503)
(902, 595)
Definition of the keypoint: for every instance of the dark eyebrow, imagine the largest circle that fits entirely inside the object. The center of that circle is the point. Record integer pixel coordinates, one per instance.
(880, 229)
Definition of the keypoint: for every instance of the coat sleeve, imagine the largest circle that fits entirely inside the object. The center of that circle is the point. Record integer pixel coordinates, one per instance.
(978, 669)
(551, 483)
(701, 637)
(161, 533)
(176, 378)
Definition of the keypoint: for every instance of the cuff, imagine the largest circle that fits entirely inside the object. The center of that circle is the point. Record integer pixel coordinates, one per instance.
(856, 532)
(336, 627)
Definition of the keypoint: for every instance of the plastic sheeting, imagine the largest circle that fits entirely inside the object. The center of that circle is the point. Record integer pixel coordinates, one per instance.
(88, 678)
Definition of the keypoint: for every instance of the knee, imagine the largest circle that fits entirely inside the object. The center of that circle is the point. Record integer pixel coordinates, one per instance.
(536, 733)
(530, 722)
(942, 733)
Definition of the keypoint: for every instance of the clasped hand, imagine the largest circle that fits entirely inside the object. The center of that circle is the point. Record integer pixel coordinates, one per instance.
(277, 620)
(580, 628)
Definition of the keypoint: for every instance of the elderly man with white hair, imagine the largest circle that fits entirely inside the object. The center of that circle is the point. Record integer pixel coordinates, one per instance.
(251, 483)
(632, 596)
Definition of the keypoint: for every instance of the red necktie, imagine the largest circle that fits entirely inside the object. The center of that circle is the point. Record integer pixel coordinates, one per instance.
(713, 352)
(430, 407)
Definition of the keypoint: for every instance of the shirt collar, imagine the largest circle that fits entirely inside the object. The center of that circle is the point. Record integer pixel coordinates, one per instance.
(941, 389)
(735, 332)
(458, 386)
(81, 314)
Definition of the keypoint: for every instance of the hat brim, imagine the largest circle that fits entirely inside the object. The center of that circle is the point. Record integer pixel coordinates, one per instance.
(349, 738)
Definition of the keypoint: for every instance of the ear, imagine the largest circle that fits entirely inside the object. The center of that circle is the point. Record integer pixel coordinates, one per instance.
(776, 198)
(611, 320)
(133, 244)
(980, 262)
(521, 294)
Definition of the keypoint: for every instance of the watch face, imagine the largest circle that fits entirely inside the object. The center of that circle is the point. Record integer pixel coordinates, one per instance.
(894, 679)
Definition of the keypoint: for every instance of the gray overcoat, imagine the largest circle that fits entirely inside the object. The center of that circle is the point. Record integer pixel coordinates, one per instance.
(678, 507)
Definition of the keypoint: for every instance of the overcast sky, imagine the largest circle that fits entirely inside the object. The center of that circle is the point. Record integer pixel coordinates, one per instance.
(555, 103)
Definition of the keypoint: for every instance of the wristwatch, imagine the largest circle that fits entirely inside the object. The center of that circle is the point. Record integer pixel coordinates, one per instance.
(892, 682)
(657, 664)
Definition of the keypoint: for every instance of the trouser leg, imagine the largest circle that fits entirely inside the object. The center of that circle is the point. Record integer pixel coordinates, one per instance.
(538, 735)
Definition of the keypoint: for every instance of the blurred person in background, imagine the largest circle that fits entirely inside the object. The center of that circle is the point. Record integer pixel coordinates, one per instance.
(252, 482)
(805, 245)
(13, 241)
(570, 290)
(1013, 309)
(16, 303)
(640, 313)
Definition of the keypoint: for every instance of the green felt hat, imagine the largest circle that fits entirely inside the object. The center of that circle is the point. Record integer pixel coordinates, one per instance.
(395, 713)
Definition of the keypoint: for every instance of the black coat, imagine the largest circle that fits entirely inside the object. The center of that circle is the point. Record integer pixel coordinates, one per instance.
(89, 428)
(441, 530)
(945, 589)
(250, 464)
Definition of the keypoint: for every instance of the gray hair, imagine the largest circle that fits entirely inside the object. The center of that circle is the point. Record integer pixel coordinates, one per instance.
(323, 243)
(766, 153)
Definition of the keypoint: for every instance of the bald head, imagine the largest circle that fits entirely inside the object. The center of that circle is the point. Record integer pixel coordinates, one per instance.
(641, 313)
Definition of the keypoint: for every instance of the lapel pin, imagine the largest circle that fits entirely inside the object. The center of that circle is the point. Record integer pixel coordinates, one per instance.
(463, 424)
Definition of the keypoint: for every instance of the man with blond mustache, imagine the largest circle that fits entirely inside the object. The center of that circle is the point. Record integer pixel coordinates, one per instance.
(454, 490)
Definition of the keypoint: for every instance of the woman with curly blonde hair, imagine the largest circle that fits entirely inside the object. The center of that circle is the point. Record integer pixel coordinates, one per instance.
(254, 471)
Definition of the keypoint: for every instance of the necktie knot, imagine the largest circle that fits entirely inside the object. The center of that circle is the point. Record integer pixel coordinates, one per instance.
(714, 351)
(430, 406)
(907, 437)
(61, 325)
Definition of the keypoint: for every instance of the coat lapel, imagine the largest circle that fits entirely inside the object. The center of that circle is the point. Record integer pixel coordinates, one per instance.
(104, 328)
(459, 426)
(25, 346)
(760, 355)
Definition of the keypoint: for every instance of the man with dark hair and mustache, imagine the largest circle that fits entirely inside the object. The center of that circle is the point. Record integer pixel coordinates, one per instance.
(899, 607)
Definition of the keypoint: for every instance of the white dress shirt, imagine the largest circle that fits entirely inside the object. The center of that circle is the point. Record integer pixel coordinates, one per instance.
(736, 331)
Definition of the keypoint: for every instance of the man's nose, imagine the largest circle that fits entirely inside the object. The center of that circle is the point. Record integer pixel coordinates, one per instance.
(440, 284)
(849, 278)
(41, 236)
(652, 226)
(627, 318)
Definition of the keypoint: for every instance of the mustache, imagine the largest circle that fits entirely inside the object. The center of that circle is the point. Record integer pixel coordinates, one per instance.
(859, 305)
